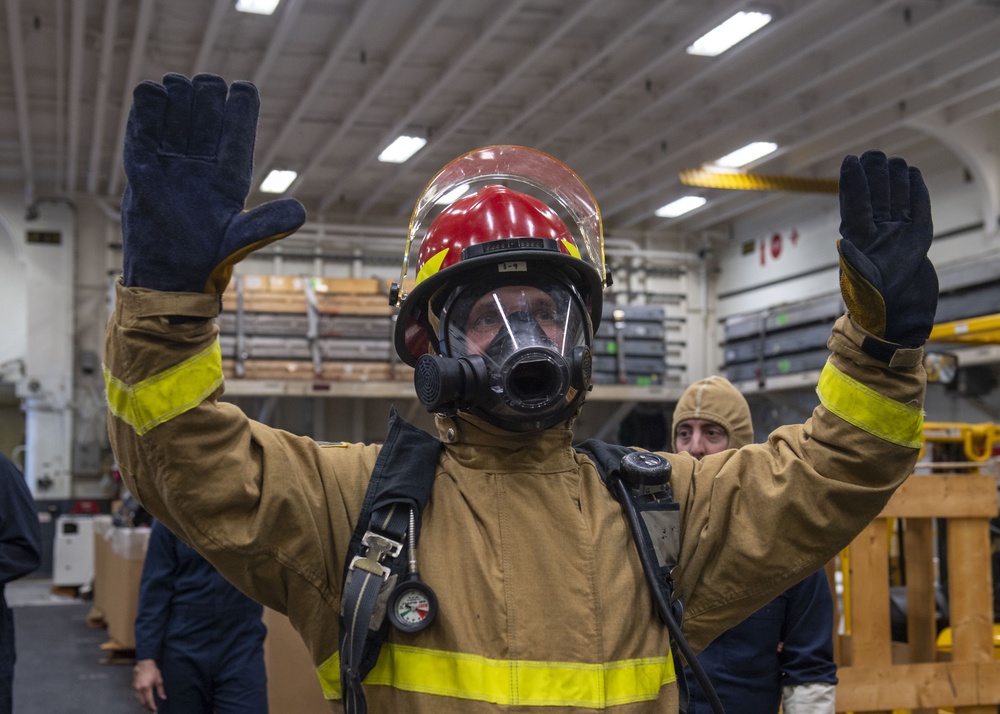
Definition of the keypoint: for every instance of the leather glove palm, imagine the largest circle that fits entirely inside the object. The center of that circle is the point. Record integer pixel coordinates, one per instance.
(888, 282)
(189, 162)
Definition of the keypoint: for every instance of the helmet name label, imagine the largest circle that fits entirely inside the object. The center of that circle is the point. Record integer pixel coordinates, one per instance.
(512, 266)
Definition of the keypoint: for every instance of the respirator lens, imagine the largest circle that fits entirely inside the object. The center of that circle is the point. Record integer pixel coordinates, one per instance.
(528, 333)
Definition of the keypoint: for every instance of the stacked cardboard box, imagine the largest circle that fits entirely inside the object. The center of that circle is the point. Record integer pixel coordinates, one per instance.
(119, 554)
(299, 327)
(292, 684)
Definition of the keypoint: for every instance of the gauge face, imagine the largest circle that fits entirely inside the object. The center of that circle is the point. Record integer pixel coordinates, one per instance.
(413, 606)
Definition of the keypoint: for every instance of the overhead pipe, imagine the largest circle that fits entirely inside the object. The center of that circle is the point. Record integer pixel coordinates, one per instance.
(76, 65)
(108, 35)
(320, 80)
(219, 11)
(628, 248)
(289, 12)
(503, 12)
(21, 98)
(140, 38)
(414, 40)
(60, 52)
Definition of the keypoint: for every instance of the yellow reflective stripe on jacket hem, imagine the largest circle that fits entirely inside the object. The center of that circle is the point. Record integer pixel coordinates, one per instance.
(170, 393)
(507, 682)
(866, 409)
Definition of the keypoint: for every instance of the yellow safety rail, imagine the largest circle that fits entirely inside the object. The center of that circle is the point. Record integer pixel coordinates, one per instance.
(974, 330)
(977, 440)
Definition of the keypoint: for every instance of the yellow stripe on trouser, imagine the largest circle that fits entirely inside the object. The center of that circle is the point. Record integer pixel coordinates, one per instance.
(518, 682)
(866, 409)
(170, 393)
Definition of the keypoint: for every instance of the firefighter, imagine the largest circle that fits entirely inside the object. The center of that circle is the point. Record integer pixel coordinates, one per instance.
(781, 657)
(541, 598)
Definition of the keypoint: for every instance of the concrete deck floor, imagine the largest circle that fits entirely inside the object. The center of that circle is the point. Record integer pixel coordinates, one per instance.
(60, 664)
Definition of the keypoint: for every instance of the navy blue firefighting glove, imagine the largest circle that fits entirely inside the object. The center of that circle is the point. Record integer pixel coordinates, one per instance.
(189, 163)
(888, 282)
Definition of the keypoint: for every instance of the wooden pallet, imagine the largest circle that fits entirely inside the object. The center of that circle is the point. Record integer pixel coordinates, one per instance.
(95, 619)
(298, 284)
(872, 679)
(117, 653)
(331, 371)
(329, 304)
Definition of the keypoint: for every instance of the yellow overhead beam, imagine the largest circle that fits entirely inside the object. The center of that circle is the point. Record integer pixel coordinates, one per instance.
(755, 182)
(984, 330)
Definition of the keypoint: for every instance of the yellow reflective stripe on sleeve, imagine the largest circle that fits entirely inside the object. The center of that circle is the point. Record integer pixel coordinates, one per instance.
(510, 683)
(866, 409)
(163, 396)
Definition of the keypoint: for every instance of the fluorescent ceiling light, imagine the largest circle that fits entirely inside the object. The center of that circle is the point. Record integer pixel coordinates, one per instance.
(680, 206)
(278, 181)
(747, 154)
(257, 7)
(401, 149)
(736, 28)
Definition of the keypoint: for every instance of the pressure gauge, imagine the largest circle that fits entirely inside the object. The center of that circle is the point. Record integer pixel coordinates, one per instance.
(412, 606)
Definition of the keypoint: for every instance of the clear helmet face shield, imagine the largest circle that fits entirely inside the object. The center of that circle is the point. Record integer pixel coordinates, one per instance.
(515, 350)
(493, 227)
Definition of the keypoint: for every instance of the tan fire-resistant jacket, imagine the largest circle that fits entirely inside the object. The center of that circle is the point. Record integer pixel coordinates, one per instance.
(543, 602)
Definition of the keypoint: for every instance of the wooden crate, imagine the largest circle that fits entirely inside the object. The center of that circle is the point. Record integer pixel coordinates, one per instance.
(298, 283)
(296, 302)
(871, 678)
(288, 293)
(261, 314)
(332, 371)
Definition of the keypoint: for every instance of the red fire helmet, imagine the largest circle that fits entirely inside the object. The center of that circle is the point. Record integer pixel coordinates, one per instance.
(512, 222)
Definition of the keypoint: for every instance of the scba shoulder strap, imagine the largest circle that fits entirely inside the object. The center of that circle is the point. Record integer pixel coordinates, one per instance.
(400, 485)
(640, 481)
(401, 482)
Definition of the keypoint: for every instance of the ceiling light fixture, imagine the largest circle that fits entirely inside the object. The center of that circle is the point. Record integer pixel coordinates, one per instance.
(278, 181)
(738, 27)
(681, 206)
(746, 155)
(257, 7)
(401, 149)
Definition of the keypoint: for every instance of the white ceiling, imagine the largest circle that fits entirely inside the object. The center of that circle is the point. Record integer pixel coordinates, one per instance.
(604, 85)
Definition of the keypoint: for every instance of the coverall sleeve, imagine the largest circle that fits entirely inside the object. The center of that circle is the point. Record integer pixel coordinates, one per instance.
(757, 520)
(20, 532)
(807, 635)
(156, 589)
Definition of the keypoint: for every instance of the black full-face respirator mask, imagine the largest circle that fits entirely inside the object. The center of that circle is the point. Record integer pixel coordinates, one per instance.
(515, 351)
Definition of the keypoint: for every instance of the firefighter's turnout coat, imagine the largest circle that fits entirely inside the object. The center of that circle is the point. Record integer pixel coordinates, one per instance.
(543, 602)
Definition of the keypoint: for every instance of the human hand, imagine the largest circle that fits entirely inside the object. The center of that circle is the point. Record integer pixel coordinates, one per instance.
(147, 681)
(189, 162)
(888, 282)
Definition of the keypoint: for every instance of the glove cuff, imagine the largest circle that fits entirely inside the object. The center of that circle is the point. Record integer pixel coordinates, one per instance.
(176, 307)
(889, 353)
(879, 349)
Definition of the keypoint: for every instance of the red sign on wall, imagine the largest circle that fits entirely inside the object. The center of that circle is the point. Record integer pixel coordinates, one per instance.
(771, 248)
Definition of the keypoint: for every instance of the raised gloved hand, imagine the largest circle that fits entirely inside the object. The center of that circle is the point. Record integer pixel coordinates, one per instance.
(887, 280)
(189, 163)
